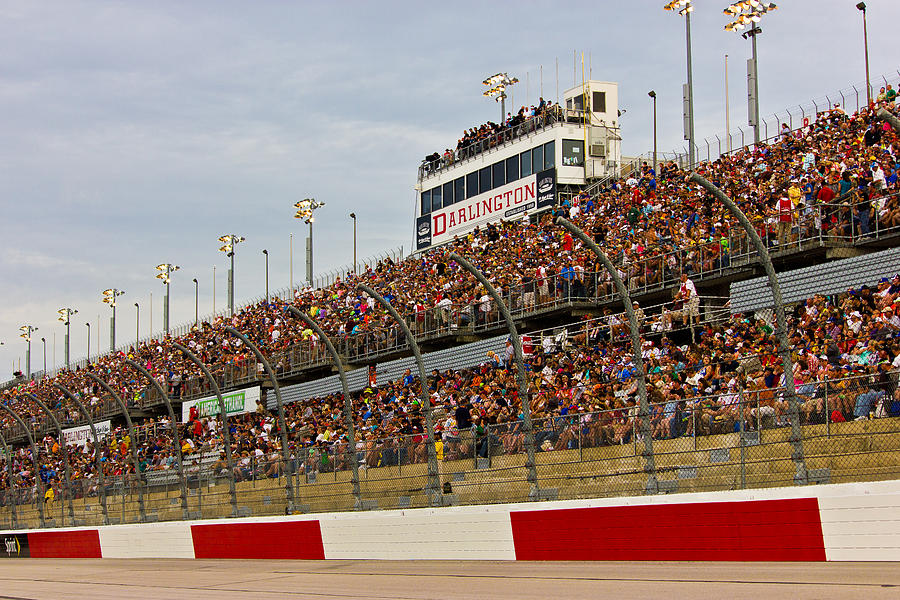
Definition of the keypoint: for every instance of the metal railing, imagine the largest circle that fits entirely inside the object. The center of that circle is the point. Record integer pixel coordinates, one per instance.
(588, 447)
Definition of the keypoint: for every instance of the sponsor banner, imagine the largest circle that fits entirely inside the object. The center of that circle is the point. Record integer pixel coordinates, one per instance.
(79, 436)
(236, 403)
(546, 188)
(423, 232)
(15, 545)
(505, 202)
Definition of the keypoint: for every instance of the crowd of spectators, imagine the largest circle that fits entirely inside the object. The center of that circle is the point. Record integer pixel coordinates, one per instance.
(839, 176)
(479, 139)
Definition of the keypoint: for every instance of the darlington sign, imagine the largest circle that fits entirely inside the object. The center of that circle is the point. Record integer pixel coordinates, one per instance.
(236, 403)
(79, 436)
(505, 202)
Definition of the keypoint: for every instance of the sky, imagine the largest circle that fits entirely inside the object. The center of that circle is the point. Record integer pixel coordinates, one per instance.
(137, 133)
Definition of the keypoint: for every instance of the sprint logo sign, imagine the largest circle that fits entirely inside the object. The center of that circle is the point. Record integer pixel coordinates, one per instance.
(15, 546)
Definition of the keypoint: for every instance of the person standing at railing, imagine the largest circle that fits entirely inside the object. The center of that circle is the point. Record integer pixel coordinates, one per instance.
(784, 215)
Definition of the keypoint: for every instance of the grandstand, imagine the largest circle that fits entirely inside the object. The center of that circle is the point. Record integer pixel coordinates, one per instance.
(719, 414)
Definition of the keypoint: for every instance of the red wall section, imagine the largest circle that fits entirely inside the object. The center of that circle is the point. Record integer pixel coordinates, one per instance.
(65, 544)
(293, 539)
(766, 530)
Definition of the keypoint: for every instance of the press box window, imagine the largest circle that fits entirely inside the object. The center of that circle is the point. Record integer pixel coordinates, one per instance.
(499, 174)
(448, 194)
(512, 168)
(573, 153)
(526, 163)
(472, 184)
(426, 202)
(459, 186)
(537, 159)
(436, 203)
(599, 102)
(484, 180)
(549, 155)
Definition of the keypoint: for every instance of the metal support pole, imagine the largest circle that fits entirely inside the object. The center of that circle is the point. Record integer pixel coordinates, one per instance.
(39, 488)
(433, 489)
(9, 466)
(101, 485)
(801, 475)
(282, 422)
(309, 256)
(640, 373)
(176, 438)
(135, 460)
(231, 285)
(348, 408)
(753, 33)
(890, 117)
(524, 397)
(690, 86)
(223, 422)
(65, 454)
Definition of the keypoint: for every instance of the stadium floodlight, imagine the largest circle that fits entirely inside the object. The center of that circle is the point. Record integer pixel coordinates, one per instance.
(109, 297)
(229, 241)
(747, 13)
(27, 330)
(497, 85)
(685, 8)
(65, 317)
(305, 209)
(862, 8)
(165, 271)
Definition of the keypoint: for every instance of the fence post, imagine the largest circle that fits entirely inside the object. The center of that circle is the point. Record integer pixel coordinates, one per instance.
(39, 489)
(223, 423)
(12, 500)
(282, 423)
(801, 475)
(65, 456)
(175, 435)
(97, 452)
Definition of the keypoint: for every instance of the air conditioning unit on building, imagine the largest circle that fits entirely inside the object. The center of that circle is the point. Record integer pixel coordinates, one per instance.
(598, 150)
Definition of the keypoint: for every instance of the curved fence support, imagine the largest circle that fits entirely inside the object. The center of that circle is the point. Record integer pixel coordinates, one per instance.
(348, 402)
(136, 461)
(433, 488)
(640, 373)
(176, 438)
(39, 489)
(524, 397)
(282, 422)
(65, 455)
(12, 501)
(886, 115)
(98, 456)
(223, 422)
(801, 476)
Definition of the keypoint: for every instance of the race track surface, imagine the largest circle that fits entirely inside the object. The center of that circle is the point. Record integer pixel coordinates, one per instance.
(40, 579)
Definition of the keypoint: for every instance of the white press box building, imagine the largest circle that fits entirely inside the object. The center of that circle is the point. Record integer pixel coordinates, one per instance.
(524, 170)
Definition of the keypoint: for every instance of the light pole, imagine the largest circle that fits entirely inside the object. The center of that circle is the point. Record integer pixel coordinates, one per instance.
(109, 297)
(266, 254)
(353, 216)
(652, 94)
(165, 272)
(65, 316)
(229, 241)
(44, 343)
(744, 13)
(862, 8)
(137, 324)
(497, 85)
(305, 209)
(88, 323)
(685, 8)
(196, 302)
(27, 330)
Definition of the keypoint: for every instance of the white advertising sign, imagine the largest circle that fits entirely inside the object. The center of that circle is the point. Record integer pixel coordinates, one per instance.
(236, 403)
(79, 436)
